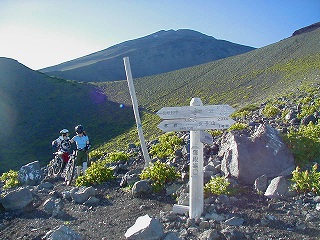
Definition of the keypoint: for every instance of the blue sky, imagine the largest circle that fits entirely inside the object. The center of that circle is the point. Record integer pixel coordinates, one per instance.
(43, 33)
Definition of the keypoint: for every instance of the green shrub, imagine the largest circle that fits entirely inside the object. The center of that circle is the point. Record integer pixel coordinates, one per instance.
(10, 179)
(270, 110)
(97, 173)
(218, 186)
(168, 144)
(118, 156)
(238, 126)
(304, 143)
(305, 181)
(159, 173)
(96, 154)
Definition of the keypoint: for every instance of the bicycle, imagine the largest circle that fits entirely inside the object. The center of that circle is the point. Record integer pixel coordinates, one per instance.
(70, 168)
(55, 165)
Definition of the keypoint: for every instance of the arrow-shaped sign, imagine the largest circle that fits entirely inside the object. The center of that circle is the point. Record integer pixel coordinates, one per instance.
(195, 111)
(195, 124)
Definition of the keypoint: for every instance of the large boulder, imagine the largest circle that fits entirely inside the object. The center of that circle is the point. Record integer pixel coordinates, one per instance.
(17, 199)
(30, 174)
(248, 157)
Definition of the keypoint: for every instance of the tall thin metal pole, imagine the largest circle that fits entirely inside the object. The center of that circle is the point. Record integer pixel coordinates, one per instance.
(136, 111)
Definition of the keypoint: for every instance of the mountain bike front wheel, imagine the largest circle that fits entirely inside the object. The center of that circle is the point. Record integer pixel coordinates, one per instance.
(69, 171)
(57, 166)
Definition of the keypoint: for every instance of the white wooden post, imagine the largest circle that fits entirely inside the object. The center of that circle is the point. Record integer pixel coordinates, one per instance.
(136, 111)
(196, 170)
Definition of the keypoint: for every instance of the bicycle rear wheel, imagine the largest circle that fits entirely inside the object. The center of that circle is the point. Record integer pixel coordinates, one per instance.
(69, 171)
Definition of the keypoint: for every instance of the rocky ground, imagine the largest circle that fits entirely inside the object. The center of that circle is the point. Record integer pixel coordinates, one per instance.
(246, 215)
(117, 210)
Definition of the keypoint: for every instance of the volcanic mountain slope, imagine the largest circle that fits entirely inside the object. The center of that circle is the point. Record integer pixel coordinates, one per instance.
(156, 53)
(34, 106)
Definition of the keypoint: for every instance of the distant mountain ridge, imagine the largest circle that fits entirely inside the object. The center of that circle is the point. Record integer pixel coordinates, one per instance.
(157, 53)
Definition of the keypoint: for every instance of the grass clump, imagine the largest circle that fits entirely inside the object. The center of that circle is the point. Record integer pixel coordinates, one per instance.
(218, 186)
(159, 173)
(97, 173)
(10, 179)
(168, 144)
(305, 181)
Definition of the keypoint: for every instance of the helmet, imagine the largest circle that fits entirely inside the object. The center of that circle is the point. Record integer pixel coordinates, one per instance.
(64, 131)
(79, 129)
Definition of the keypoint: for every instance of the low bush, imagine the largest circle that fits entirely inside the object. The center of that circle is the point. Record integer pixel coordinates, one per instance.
(305, 181)
(270, 110)
(168, 144)
(217, 186)
(159, 173)
(304, 143)
(118, 156)
(10, 179)
(97, 173)
(238, 126)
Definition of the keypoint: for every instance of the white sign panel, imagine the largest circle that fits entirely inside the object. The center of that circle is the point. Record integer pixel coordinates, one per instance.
(194, 124)
(195, 111)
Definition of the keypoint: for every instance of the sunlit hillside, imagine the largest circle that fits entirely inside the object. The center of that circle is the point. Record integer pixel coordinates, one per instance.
(34, 106)
(249, 78)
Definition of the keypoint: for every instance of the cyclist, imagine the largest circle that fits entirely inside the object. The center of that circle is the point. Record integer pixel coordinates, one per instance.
(83, 145)
(63, 145)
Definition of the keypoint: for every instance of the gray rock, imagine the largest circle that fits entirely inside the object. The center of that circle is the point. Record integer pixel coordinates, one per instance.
(141, 187)
(232, 234)
(171, 236)
(234, 221)
(247, 158)
(145, 228)
(30, 174)
(62, 233)
(82, 194)
(211, 234)
(277, 188)
(261, 184)
(17, 199)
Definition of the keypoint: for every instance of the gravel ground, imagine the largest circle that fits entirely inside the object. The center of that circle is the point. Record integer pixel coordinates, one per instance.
(291, 218)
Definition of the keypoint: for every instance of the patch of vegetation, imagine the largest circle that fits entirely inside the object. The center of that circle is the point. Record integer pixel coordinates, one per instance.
(168, 144)
(10, 179)
(245, 111)
(159, 173)
(218, 186)
(97, 173)
(117, 156)
(304, 143)
(305, 181)
(270, 110)
(238, 126)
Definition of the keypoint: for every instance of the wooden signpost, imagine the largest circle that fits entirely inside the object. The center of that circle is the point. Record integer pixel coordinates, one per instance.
(136, 111)
(195, 118)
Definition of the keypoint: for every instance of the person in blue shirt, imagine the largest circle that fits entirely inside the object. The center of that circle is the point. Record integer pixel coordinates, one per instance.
(82, 142)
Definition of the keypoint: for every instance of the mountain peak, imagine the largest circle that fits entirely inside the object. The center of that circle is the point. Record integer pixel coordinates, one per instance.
(306, 29)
